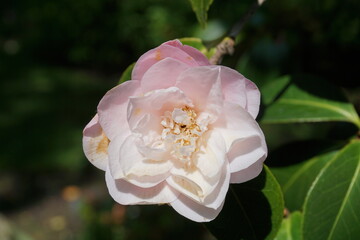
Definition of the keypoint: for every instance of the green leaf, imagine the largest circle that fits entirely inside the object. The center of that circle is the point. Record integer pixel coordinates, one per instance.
(310, 100)
(201, 7)
(273, 88)
(126, 75)
(291, 227)
(252, 210)
(199, 45)
(296, 179)
(332, 207)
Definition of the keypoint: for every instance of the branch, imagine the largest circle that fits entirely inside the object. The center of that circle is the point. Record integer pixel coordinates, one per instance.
(226, 46)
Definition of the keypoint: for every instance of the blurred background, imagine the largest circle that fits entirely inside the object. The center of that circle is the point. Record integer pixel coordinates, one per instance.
(58, 58)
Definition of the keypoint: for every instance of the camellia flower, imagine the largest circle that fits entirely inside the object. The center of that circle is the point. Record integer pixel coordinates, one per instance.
(179, 132)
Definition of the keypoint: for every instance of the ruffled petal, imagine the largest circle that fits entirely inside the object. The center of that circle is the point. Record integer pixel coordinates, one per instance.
(237, 89)
(195, 211)
(134, 167)
(244, 152)
(244, 139)
(203, 86)
(212, 154)
(253, 98)
(157, 54)
(126, 193)
(95, 144)
(248, 173)
(162, 74)
(193, 52)
(144, 113)
(192, 183)
(113, 107)
(217, 196)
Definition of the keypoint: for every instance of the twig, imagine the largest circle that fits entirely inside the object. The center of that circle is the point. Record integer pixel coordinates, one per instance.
(226, 46)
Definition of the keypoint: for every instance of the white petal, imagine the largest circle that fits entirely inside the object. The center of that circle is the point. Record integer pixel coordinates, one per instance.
(244, 152)
(126, 193)
(248, 173)
(136, 168)
(212, 154)
(95, 144)
(217, 197)
(244, 139)
(192, 183)
(193, 210)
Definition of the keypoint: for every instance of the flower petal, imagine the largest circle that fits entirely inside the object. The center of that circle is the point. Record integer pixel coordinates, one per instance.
(126, 193)
(192, 183)
(157, 54)
(212, 154)
(237, 89)
(244, 152)
(193, 52)
(253, 98)
(126, 162)
(144, 113)
(95, 144)
(162, 74)
(248, 173)
(244, 139)
(217, 196)
(113, 106)
(203, 86)
(195, 211)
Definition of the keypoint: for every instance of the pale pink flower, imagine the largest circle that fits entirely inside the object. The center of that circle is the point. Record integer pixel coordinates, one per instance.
(179, 132)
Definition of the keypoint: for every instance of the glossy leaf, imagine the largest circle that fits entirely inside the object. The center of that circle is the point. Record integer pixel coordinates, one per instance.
(273, 89)
(296, 179)
(291, 227)
(199, 45)
(332, 207)
(201, 7)
(252, 210)
(126, 75)
(310, 100)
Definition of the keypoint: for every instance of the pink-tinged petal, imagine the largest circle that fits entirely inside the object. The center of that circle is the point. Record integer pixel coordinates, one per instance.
(162, 74)
(144, 113)
(248, 173)
(126, 162)
(126, 193)
(95, 144)
(244, 139)
(234, 86)
(253, 98)
(200, 58)
(217, 197)
(212, 154)
(157, 54)
(203, 86)
(112, 108)
(195, 211)
(175, 43)
(237, 89)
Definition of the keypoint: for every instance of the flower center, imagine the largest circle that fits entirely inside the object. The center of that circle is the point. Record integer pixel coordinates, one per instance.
(181, 132)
